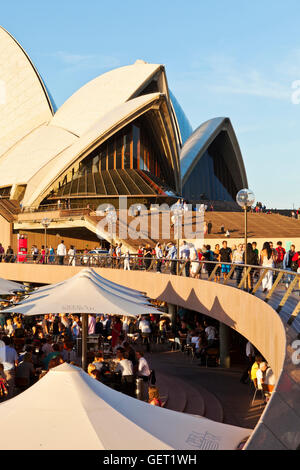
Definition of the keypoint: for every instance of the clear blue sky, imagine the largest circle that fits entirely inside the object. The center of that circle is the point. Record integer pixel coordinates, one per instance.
(234, 58)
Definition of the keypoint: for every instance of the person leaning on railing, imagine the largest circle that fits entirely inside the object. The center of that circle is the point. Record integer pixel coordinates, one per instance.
(159, 257)
(184, 254)
(72, 255)
(61, 252)
(147, 257)
(209, 256)
(288, 264)
(195, 265)
(238, 258)
(251, 259)
(267, 259)
(172, 255)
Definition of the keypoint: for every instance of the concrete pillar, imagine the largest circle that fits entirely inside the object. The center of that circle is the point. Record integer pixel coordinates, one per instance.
(172, 313)
(224, 335)
(84, 334)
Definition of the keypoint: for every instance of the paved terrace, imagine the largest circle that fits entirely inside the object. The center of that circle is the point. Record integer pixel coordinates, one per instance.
(261, 226)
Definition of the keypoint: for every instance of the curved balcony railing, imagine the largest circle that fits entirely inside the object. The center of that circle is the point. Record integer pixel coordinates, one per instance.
(283, 285)
(251, 313)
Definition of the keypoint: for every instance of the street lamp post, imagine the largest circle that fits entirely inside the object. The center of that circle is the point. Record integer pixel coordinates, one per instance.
(245, 199)
(45, 223)
(177, 219)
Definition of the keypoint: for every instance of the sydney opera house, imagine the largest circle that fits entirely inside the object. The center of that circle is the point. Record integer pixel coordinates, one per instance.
(121, 134)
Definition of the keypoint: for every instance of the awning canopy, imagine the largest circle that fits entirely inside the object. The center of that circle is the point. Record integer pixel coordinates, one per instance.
(67, 409)
(10, 287)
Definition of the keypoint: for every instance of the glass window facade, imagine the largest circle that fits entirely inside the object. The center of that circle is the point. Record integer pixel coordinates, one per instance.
(184, 125)
(132, 148)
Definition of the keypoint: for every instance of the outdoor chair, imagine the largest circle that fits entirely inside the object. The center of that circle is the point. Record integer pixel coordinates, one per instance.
(190, 349)
(211, 357)
(256, 391)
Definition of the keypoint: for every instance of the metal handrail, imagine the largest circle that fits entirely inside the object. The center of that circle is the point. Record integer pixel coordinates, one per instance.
(248, 277)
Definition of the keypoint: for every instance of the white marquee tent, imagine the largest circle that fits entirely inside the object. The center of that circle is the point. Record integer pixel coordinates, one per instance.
(102, 281)
(85, 293)
(67, 409)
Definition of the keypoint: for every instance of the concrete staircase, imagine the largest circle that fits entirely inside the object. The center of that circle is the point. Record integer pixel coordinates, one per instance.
(268, 226)
(9, 209)
(178, 395)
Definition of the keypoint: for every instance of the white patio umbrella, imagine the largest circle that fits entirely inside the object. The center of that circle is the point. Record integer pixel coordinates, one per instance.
(9, 287)
(102, 280)
(83, 294)
(69, 410)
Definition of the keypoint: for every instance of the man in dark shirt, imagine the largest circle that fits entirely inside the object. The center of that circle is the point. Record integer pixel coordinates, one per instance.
(181, 336)
(225, 257)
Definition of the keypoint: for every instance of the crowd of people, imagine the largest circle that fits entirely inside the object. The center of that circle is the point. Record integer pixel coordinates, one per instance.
(269, 257)
(31, 346)
(190, 261)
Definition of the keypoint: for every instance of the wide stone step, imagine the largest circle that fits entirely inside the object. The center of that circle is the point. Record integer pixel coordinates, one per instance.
(175, 393)
(213, 407)
(178, 395)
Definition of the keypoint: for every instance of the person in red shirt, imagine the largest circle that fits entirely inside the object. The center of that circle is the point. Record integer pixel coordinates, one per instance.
(280, 255)
(296, 261)
(140, 256)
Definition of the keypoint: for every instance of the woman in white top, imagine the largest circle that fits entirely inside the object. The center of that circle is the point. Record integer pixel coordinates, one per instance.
(126, 257)
(237, 258)
(267, 260)
(195, 265)
(72, 254)
(9, 329)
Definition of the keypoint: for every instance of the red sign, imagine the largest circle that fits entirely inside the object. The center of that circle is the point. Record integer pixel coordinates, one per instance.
(22, 248)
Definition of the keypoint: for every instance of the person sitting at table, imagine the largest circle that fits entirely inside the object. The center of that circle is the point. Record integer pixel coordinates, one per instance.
(130, 353)
(68, 353)
(91, 368)
(182, 334)
(25, 372)
(95, 374)
(98, 361)
(125, 367)
(3, 383)
(254, 369)
(154, 396)
(56, 353)
(119, 344)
